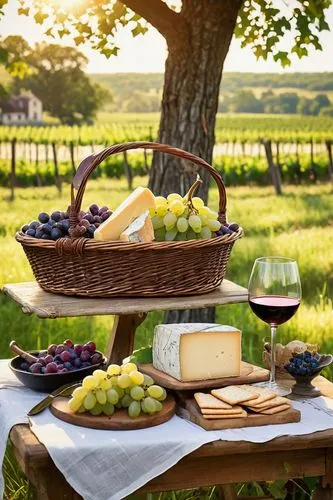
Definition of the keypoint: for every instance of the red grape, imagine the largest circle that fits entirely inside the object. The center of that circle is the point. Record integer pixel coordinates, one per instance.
(59, 349)
(52, 349)
(65, 356)
(68, 343)
(51, 368)
(48, 359)
(96, 358)
(35, 368)
(78, 348)
(84, 356)
(91, 346)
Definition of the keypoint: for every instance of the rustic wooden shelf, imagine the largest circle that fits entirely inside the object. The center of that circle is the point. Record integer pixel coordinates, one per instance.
(34, 300)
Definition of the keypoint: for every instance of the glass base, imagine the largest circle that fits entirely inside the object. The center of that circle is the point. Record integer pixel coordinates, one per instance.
(276, 387)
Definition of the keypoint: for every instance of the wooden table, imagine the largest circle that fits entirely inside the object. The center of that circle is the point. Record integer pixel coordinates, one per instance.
(221, 462)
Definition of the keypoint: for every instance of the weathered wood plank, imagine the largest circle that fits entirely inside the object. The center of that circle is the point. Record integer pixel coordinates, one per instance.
(193, 472)
(34, 300)
(121, 340)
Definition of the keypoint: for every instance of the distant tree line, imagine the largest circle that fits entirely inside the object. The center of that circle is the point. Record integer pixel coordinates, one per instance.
(245, 101)
(141, 92)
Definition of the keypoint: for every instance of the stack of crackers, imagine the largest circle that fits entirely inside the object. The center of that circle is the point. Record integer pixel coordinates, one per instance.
(235, 401)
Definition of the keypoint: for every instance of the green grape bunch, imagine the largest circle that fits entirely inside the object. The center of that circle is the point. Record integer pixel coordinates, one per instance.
(118, 387)
(183, 218)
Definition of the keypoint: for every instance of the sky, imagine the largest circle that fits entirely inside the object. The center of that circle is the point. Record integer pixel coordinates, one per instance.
(147, 53)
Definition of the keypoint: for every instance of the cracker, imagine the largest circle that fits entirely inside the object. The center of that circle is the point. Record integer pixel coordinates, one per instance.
(270, 411)
(232, 394)
(208, 401)
(219, 417)
(222, 411)
(262, 394)
(277, 401)
(277, 409)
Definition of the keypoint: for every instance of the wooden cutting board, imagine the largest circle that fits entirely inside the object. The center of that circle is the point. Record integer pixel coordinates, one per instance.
(188, 409)
(118, 421)
(249, 375)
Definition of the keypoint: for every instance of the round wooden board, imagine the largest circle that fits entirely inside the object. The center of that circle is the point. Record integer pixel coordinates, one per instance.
(249, 374)
(118, 421)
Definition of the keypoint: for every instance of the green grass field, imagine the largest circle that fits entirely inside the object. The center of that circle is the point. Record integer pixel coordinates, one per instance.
(298, 224)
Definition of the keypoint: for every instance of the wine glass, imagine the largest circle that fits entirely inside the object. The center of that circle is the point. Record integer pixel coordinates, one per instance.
(274, 296)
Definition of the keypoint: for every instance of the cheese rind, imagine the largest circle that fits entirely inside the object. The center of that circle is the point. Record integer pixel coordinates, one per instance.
(140, 230)
(139, 201)
(197, 351)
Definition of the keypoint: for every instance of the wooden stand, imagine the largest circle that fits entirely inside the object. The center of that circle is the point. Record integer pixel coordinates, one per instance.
(129, 313)
(220, 462)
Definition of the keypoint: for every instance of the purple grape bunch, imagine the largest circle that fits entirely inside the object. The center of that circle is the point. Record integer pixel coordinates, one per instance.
(227, 229)
(56, 225)
(66, 357)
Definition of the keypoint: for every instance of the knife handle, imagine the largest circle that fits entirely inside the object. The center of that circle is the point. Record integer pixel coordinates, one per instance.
(25, 355)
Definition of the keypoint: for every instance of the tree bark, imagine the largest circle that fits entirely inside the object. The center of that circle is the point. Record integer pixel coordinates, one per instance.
(191, 90)
(190, 101)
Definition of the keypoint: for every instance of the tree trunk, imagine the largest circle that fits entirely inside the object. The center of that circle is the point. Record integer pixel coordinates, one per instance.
(190, 100)
(191, 90)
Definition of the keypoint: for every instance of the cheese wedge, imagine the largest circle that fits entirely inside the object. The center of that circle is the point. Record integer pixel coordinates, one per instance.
(139, 201)
(197, 351)
(140, 230)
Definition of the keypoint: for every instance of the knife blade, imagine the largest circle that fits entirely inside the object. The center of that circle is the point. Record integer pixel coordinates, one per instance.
(64, 390)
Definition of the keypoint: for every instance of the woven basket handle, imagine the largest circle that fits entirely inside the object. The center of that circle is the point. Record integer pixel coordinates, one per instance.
(89, 164)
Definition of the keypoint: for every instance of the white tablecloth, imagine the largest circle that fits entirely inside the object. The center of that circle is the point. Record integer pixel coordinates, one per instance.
(109, 465)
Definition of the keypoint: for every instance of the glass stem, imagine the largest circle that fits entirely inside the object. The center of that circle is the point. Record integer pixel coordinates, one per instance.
(273, 339)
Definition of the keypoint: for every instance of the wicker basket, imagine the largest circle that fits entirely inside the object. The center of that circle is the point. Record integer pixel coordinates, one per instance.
(91, 268)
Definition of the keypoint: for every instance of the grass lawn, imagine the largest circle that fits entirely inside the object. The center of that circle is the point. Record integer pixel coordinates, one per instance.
(298, 224)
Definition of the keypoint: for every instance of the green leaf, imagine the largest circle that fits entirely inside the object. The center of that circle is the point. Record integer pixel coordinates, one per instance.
(107, 52)
(19, 69)
(63, 32)
(79, 40)
(142, 356)
(283, 58)
(300, 51)
(323, 25)
(139, 30)
(40, 17)
(277, 489)
(49, 32)
(23, 11)
(3, 56)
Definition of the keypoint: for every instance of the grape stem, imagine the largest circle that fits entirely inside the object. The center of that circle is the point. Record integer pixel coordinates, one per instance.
(190, 193)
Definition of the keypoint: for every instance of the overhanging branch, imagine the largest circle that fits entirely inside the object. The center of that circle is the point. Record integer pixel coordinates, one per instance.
(159, 15)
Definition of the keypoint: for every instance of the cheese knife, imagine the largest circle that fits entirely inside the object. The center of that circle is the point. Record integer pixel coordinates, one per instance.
(64, 390)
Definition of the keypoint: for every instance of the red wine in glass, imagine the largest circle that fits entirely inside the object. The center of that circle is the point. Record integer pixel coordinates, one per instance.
(274, 309)
(274, 296)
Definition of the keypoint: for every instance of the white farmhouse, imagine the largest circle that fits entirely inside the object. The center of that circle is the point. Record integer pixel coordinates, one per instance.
(22, 110)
